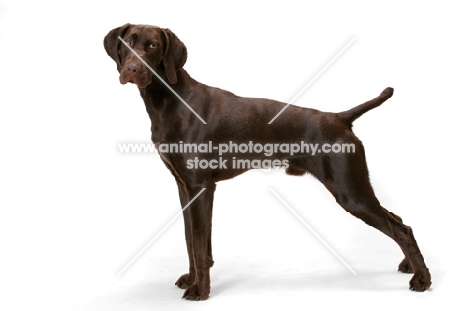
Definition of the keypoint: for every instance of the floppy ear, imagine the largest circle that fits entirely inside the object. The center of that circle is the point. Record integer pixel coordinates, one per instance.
(175, 55)
(112, 43)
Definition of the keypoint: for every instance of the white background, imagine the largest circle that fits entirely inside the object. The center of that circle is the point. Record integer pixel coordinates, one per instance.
(73, 211)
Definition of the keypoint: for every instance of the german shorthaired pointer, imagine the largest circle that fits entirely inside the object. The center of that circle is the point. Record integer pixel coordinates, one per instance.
(230, 120)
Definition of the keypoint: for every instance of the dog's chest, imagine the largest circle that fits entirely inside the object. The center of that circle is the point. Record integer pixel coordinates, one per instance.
(155, 136)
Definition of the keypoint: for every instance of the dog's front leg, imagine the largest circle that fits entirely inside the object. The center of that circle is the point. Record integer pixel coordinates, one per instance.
(197, 218)
(189, 278)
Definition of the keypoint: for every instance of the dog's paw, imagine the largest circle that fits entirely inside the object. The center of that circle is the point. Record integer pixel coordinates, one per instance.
(405, 266)
(185, 281)
(196, 293)
(421, 281)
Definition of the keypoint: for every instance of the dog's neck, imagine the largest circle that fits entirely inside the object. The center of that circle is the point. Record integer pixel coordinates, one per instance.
(160, 101)
(159, 92)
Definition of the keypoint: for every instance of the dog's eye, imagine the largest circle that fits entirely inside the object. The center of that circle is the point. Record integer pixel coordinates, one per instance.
(129, 42)
(153, 45)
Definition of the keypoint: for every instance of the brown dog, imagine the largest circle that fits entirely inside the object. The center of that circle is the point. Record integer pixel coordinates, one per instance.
(243, 122)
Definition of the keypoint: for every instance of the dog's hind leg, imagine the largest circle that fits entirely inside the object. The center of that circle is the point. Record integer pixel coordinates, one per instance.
(405, 265)
(345, 175)
(401, 234)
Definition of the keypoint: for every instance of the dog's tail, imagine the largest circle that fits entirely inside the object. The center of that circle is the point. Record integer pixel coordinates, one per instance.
(350, 115)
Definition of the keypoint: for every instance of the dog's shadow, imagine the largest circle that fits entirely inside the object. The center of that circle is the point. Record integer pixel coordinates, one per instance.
(237, 283)
(311, 281)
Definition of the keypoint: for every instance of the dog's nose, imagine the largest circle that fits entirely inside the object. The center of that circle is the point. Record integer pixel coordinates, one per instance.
(134, 67)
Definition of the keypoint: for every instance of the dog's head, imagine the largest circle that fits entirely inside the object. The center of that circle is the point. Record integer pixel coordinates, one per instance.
(158, 47)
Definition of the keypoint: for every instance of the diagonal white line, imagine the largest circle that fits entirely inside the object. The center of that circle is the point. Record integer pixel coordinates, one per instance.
(313, 231)
(313, 79)
(160, 232)
(162, 80)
